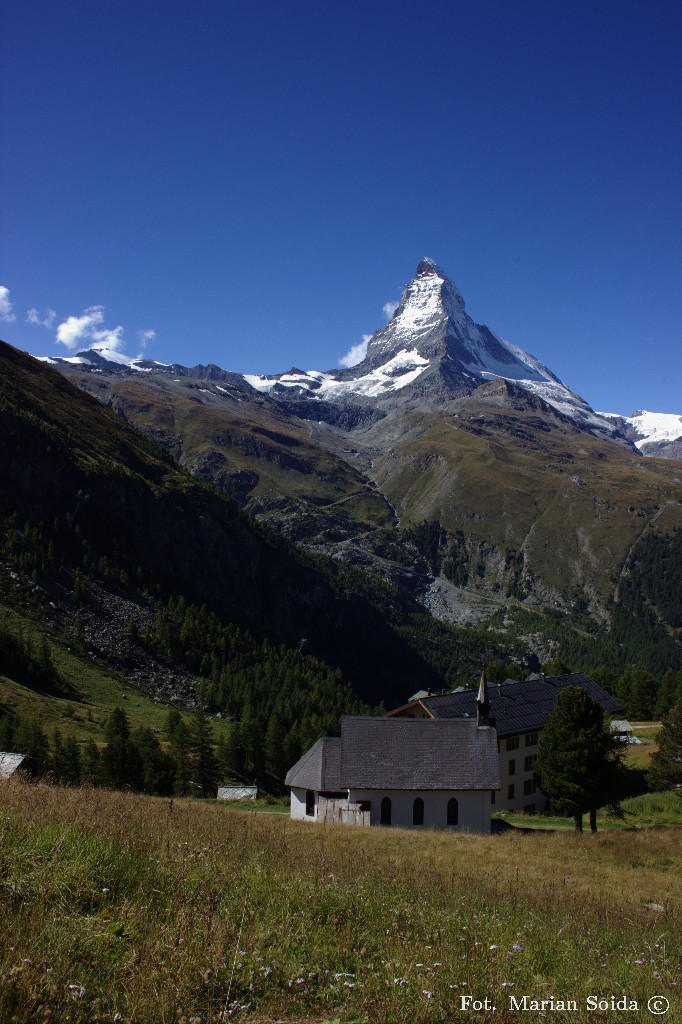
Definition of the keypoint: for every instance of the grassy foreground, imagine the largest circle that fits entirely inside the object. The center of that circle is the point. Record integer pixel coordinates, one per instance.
(120, 908)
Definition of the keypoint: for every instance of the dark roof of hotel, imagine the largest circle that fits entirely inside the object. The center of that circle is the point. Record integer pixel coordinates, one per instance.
(401, 753)
(515, 707)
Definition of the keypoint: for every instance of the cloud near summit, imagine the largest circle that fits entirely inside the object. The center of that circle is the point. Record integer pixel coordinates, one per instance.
(86, 331)
(357, 353)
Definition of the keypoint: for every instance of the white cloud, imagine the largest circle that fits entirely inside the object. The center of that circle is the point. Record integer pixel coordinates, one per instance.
(83, 332)
(145, 337)
(5, 305)
(77, 331)
(33, 317)
(108, 339)
(357, 353)
(87, 332)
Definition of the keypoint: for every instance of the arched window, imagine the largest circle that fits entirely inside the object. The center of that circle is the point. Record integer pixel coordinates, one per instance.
(310, 803)
(386, 811)
(453, 811)
(418, 811)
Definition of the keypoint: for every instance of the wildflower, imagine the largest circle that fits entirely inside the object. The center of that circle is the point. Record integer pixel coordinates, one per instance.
(517, 947)
(493, 946)
(425, 992)
(507, 984)
(400, 981)
(640, 961)
(77, 991)
(349, 984)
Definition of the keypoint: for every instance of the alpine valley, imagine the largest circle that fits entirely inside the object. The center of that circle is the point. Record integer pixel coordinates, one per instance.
(448, 460)
(390, 524)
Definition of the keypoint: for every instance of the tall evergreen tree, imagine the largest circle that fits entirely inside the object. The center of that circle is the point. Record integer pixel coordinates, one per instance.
(158, 768)
(30, 738)
(90, 764)
(275, 756)
(665, 769)
(120, 762)
(180, 742)
(578, 765)
(204, 764)
(670, 692)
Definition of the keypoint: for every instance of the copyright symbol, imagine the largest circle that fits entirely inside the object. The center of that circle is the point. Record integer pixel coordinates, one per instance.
(658, 1004)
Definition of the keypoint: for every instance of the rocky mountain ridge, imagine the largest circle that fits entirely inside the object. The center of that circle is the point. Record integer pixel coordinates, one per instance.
(526, 491)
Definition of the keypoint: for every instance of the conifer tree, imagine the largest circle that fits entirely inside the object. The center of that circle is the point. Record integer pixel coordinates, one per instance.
(233, 749)
(669, 693)
(120, 762)
(180, 750)
(158, 768)
(30, 738)
(204, 764)
(665, 769)
(275, 758)
(71, 772)
(90, 764)
(578, 765)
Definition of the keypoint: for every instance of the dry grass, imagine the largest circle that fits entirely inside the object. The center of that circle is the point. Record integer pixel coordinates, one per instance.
(140, 910)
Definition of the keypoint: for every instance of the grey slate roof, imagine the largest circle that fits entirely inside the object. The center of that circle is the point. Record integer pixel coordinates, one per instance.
(319, 768)
(401, 753)
(517, 707)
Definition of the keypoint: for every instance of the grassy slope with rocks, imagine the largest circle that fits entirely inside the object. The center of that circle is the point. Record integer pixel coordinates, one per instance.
(84, 491)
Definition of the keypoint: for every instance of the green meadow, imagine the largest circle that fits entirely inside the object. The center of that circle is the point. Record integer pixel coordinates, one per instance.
(139, 910)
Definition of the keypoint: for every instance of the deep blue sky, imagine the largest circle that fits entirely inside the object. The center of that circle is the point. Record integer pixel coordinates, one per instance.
(253, 181)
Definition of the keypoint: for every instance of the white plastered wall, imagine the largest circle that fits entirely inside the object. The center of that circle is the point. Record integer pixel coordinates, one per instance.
(474, 807)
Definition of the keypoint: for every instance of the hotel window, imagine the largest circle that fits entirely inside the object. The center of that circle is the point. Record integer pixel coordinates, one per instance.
(418, 811)
(529, 762)
(453, 812)
(531, 739)
(529, 787)
(309, 803)
(512, 767)
(513, 743)
(510, 791)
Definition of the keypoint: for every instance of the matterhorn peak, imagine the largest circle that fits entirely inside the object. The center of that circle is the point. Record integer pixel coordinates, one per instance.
(428, 266)
(428, 300)
(431, 348)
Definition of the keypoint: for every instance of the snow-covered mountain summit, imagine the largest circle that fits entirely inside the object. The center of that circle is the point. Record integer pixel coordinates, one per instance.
(432, 348)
